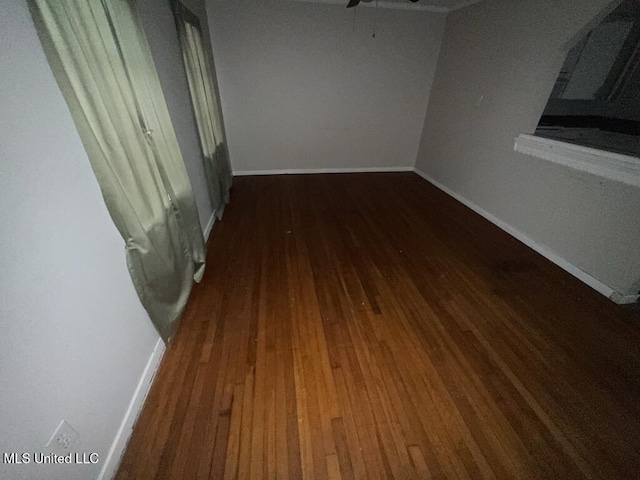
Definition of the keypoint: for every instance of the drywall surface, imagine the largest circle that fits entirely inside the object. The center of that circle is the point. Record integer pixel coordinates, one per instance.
(509, 52)
(75, 338)
(160, 29)
(306, 86)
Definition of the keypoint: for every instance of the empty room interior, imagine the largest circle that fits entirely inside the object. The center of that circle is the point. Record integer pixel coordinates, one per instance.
(320, 239)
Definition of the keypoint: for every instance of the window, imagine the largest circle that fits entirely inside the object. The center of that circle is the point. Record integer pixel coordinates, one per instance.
(596, 99)
(592, 119)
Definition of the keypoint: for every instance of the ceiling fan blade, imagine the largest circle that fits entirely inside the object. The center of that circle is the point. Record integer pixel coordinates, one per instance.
(354, 3)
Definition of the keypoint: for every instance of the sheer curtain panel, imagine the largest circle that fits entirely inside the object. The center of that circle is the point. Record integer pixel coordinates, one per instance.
(202, 87)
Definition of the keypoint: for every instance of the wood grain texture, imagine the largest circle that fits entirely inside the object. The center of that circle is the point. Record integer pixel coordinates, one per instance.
(368, 326)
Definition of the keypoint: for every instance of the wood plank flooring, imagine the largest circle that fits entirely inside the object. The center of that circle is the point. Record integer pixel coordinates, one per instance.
(368, 326)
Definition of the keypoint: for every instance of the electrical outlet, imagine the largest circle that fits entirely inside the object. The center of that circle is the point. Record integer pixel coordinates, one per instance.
(64, 440)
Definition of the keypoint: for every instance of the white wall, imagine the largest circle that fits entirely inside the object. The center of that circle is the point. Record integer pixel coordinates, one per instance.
(511, 51)
(305, 86)
(160, 30)
(75, 339)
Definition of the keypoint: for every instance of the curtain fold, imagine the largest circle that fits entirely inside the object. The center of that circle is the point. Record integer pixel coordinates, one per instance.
(202, 83)
(101, 60)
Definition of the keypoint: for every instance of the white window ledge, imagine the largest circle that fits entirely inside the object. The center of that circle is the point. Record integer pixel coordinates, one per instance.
(614, 166)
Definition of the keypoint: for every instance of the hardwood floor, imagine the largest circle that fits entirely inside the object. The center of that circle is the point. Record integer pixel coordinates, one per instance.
(369, 326)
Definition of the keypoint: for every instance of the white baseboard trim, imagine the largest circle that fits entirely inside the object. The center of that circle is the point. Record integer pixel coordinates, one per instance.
(624, 299)
(541, 249)
(209, 227)
(112, 461)
(299, 171)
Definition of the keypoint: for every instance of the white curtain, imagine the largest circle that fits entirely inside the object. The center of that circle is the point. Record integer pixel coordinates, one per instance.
(101, 60)
(202, 87)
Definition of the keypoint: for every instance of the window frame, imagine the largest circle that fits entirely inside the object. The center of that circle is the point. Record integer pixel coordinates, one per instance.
(610, 165)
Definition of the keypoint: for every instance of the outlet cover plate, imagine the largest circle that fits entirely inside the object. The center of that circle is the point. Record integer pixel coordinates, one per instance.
(64, 439)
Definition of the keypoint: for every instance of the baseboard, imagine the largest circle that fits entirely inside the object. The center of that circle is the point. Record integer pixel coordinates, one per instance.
(303, 171)
(207, 230)
(112, 461)
(546, 252)
(624, 299)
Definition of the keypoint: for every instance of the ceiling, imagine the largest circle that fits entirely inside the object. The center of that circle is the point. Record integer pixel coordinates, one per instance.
(440, 6)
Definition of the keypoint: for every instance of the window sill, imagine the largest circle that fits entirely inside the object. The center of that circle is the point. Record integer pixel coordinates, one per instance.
(614, 166)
